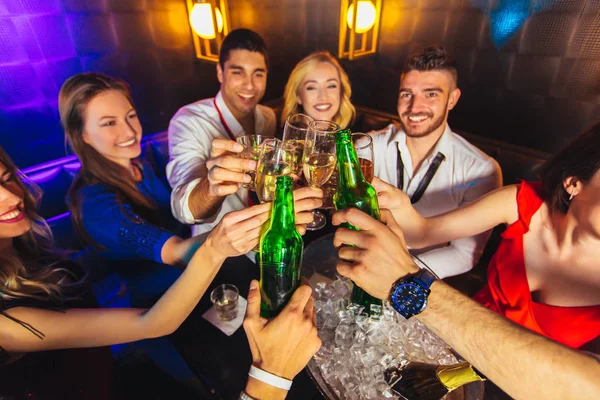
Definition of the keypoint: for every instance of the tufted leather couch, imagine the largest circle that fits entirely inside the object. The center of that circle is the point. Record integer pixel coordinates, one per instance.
(54, 177)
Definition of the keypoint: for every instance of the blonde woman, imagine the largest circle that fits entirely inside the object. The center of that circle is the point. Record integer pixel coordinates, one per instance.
(319, 88)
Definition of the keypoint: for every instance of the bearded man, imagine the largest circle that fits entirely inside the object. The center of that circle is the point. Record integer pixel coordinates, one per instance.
(438, 169)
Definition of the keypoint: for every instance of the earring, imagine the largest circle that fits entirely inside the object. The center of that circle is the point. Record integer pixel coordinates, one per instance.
(571, 197)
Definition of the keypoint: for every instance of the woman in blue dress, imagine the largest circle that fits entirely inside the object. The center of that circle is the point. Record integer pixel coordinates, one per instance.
(120, 208)
(43, 306)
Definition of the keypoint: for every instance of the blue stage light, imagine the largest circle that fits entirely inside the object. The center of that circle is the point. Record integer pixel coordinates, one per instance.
(507, 18)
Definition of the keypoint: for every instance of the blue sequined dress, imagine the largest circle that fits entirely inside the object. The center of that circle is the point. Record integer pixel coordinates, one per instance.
(131, 244)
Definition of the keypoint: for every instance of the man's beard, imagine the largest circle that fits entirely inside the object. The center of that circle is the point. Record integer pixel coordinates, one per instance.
(432, 127)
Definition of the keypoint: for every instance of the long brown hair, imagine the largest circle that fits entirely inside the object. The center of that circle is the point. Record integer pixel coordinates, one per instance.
(74, 96)
(30, 271)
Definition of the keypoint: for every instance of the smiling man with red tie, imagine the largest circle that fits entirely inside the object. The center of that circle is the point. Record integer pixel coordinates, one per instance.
(205, 176)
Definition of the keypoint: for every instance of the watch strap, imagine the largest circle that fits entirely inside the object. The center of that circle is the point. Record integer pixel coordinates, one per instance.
(425, 278)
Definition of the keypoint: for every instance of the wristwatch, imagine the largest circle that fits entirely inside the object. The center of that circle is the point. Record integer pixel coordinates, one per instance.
(409, 294)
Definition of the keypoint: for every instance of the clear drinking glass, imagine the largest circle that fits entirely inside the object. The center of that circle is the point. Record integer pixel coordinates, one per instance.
(329, 189)
(319, 160)
(363, 144)
(294, 133)
(276, 159)
(225, 299)
(252, 147)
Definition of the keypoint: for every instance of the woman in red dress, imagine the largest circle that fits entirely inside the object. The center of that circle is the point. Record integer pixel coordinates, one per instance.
(544, 274)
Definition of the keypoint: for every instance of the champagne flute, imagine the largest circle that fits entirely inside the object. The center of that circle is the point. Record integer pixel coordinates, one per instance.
(276, 159)
(294, 133)
(319, 160)
(252, 147)
(363, 144)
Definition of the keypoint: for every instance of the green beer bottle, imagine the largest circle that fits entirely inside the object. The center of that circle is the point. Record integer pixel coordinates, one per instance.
(280, 252)
(354, 191)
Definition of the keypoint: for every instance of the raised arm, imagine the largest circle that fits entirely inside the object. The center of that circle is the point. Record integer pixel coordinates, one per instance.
(125, 235)
(202, 169)
(283, 345)
(522, 363)
(509, 354)
(306, 199)
(494, 208)
(462, 254)
(236, 234)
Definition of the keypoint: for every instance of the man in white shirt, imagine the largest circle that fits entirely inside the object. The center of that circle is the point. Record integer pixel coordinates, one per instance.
(204, 174)
(438, 169)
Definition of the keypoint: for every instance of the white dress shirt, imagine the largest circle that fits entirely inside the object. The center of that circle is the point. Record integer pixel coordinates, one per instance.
(191, 132)
(466, 174)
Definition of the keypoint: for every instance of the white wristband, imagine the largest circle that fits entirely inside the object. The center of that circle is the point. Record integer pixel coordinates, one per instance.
(269, 378)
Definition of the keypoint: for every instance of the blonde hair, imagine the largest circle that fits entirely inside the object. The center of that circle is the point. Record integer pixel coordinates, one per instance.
(345, 114)
(30, 270)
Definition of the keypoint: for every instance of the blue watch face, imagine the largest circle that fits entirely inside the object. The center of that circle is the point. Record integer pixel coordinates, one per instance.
(409, 298)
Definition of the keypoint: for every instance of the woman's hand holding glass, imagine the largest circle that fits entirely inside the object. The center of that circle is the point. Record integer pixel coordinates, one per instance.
(294, 134)
(239, 231)
(276, 159)
(319, 160)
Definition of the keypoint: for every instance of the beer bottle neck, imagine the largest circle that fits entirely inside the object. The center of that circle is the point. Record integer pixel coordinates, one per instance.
(350, 173)
(282, 215)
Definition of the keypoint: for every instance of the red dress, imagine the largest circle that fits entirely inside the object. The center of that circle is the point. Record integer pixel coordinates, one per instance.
(507, 290)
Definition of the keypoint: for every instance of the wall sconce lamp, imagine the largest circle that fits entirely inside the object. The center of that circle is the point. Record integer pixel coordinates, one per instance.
(209, 20)
(358, 30)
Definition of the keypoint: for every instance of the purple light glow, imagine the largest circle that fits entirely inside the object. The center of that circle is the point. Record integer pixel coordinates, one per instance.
(37, 54)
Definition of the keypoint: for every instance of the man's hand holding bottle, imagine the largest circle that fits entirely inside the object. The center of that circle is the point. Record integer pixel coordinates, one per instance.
(378, 255)
(281, 346)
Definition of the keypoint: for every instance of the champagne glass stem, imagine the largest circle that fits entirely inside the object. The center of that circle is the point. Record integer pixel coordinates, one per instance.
(319, 221)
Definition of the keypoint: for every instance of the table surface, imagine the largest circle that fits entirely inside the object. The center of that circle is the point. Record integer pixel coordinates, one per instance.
(221, 361)
(320, 257)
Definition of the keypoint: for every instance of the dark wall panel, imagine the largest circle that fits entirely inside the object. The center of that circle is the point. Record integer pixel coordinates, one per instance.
(283, 24)
(147, 43)
(529, 69)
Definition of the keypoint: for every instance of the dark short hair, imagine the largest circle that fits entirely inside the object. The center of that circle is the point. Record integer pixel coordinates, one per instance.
(432, 59)
(580, 159)
(242, 39)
